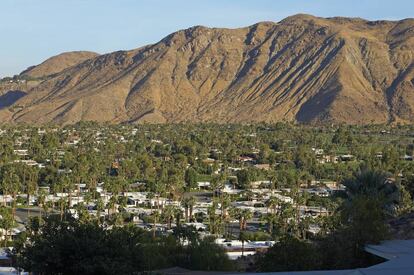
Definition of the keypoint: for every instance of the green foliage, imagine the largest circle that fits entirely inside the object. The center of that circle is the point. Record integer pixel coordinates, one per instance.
(361, 220)
(257, 236)
(289, 254)
(190, 178)
(244, 178)
(167, 160)
(74, 247)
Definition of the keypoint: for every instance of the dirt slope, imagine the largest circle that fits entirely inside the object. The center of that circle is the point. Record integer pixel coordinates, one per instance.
(58, 63)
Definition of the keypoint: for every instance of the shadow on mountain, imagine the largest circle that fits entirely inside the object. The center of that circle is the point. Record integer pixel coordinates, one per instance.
(317, 107)
(10, 97)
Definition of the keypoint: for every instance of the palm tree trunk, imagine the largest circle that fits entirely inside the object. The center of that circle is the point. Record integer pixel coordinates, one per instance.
(191, 212)
(28, 204)
(14, 206)
(153, 228)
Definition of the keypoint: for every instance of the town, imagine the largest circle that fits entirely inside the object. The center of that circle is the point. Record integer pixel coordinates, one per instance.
(246, 186)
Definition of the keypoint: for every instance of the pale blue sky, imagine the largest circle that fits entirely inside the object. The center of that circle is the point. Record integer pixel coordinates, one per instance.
(33, 30)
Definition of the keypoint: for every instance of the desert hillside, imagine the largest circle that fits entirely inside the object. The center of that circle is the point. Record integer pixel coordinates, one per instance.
(304, 69)
(58, 63)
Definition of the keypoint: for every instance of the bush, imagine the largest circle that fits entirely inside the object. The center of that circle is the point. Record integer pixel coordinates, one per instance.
(290, 254)
(73, 247)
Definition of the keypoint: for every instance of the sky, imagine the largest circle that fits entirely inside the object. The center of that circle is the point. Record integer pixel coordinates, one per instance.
(34, 30)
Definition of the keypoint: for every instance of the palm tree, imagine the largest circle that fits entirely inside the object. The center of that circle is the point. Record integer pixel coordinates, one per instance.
(111, 205)
(272, 177)
(155, 215)
(224, 204)
(235, 213)
(67, 185)
(168, 214)
(271, 220)
(62, 206)
(303, 226)
(149, 197)
(178, 214)
(273, 203)
(185, 203)
(6, 223)
(11, 183)
(159, 190)
(41, 201)
(100, 206)
(31, 186)
(217, 183)
(214, 219)
(248, 194)
(246, 215)
(191, 204)
(243, 237)
(374, 184)
(286, 213)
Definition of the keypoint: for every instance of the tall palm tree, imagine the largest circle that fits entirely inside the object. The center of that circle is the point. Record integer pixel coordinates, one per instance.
(372, 184)
(68, 185)
(11, 183)
(246, 215)
(149, 197)
(41, 201)
(185, 203)
(214, 219)
(178, 214)
(100, 207)
(6, 223)
(272, 177)
(155, 215)
(191, 204)
(224, 204)
(62, 203)
(168, 214)
(273, 203)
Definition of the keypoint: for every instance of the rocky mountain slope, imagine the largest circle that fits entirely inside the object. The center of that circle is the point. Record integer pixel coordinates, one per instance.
(303, 68)
(13, 89)
(58, 63)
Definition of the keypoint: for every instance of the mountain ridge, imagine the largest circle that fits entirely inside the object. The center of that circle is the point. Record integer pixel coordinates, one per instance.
(303, 68)
(57, 64)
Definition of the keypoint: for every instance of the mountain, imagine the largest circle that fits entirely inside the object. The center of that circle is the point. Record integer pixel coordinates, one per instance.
(304, 68)
(14, 89)
(58, 63)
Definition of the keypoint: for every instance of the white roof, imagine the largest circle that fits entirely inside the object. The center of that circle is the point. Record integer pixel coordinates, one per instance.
(392, 249)
(400, 255)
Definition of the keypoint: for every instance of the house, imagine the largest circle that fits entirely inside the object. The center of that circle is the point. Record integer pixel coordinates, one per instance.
(81, 187)
(322, 159)
(257, 184)
(346, 157)
(198, 225)
(407, 158)
(265, 167)
(30, 162)
(203, 184)
(208, 161)
(21, 152)
(314, 211)
(331, 184)
(321, 192)
(318, 151)
(245, 159)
